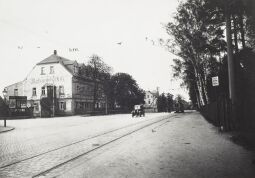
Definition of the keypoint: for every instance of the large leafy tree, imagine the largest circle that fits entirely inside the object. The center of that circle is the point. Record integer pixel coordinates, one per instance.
(197, 38)
(198, 42)
(100, 73)
(126, 92)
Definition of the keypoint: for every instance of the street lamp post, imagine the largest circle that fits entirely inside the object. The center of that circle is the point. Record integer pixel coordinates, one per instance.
(53, 102)
(5, 94)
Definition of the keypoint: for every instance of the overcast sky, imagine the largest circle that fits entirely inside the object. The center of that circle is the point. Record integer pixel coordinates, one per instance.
(31, 29)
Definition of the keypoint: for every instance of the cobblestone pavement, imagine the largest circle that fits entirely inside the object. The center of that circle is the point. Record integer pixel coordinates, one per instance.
(185, 146)
(158, 145)
(39, 144)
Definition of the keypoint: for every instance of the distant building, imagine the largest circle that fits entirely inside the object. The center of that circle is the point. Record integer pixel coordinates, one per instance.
(59, 78)
(150, 100)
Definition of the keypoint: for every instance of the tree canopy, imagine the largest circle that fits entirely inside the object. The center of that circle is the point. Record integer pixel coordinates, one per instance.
(197, 38)
(126, 92)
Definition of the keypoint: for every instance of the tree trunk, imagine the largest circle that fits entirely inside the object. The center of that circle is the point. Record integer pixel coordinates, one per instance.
(242, 29)
(235, 33)
(198, 82)
(197, 96)
(202, 88)
(95, 95)
(199, 87)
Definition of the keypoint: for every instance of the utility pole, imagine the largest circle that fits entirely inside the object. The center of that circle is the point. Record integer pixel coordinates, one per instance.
(5, 102)
(106, 105)
(53, 102)
(231, 74)
(231, 66)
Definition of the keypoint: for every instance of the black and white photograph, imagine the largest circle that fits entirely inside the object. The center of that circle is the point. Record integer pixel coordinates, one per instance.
(127, 88)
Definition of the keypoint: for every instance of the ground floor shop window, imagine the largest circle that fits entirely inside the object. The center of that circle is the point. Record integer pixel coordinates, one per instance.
(83, 105)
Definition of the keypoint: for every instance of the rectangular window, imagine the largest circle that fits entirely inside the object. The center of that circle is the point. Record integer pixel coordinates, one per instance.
(36, 107)
(16, 92)
(61, 90)
(42, 71)
(86, 105)
(34, 92)
(12, 103)
(62, 106)
(43, 90)
(51, 69)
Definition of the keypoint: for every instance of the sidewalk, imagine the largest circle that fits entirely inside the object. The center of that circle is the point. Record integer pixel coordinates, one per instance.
(5, 129)
(184, 146)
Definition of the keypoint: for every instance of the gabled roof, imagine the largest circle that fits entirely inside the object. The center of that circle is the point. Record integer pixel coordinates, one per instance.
(153, 93)
(54, 58)
(69, 65)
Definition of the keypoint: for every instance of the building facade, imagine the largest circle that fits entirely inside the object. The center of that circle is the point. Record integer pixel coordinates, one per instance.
(55, 87)
(150, 100)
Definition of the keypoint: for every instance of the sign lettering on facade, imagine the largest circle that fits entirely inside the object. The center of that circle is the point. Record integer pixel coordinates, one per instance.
(215, 81)
(47, 80)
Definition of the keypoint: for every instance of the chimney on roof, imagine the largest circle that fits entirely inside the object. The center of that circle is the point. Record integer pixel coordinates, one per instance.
(55, 52)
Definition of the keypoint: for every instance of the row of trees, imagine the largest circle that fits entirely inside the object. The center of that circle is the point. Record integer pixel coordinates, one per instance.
(197, 37)
(120, 89)
(165, 102)
(168, 103)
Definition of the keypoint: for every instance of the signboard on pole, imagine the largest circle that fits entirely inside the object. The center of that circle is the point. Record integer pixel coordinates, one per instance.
(215, 81)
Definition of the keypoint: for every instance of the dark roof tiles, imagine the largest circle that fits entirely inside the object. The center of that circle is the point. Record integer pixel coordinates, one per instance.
(55, 59)
(68, 64)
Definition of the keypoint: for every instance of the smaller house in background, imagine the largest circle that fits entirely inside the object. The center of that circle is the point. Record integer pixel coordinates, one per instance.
(150, 100)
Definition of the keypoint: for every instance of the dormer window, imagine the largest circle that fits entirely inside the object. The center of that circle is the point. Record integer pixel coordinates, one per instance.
(51, 69)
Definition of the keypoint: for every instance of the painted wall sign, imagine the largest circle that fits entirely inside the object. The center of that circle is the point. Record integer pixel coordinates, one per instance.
(47, 80)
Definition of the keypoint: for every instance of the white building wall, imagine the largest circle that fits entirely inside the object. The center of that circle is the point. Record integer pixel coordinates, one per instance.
(150, 100)
(19, 86)
(60, 77)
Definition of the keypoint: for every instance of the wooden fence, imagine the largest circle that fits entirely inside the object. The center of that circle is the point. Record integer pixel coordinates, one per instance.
(220, 114)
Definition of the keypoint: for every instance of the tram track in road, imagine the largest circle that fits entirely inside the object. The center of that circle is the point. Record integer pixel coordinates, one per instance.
(73, 143)
(45, 172)
(81, 150)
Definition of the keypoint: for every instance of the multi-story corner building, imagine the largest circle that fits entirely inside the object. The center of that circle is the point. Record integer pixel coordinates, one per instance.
(150, 100)
(59, 78)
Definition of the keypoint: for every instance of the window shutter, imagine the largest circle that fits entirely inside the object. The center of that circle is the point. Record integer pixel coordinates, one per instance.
(64, 105)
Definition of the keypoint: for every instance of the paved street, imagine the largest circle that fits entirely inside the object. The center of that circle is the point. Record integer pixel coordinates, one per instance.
(158, 145)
